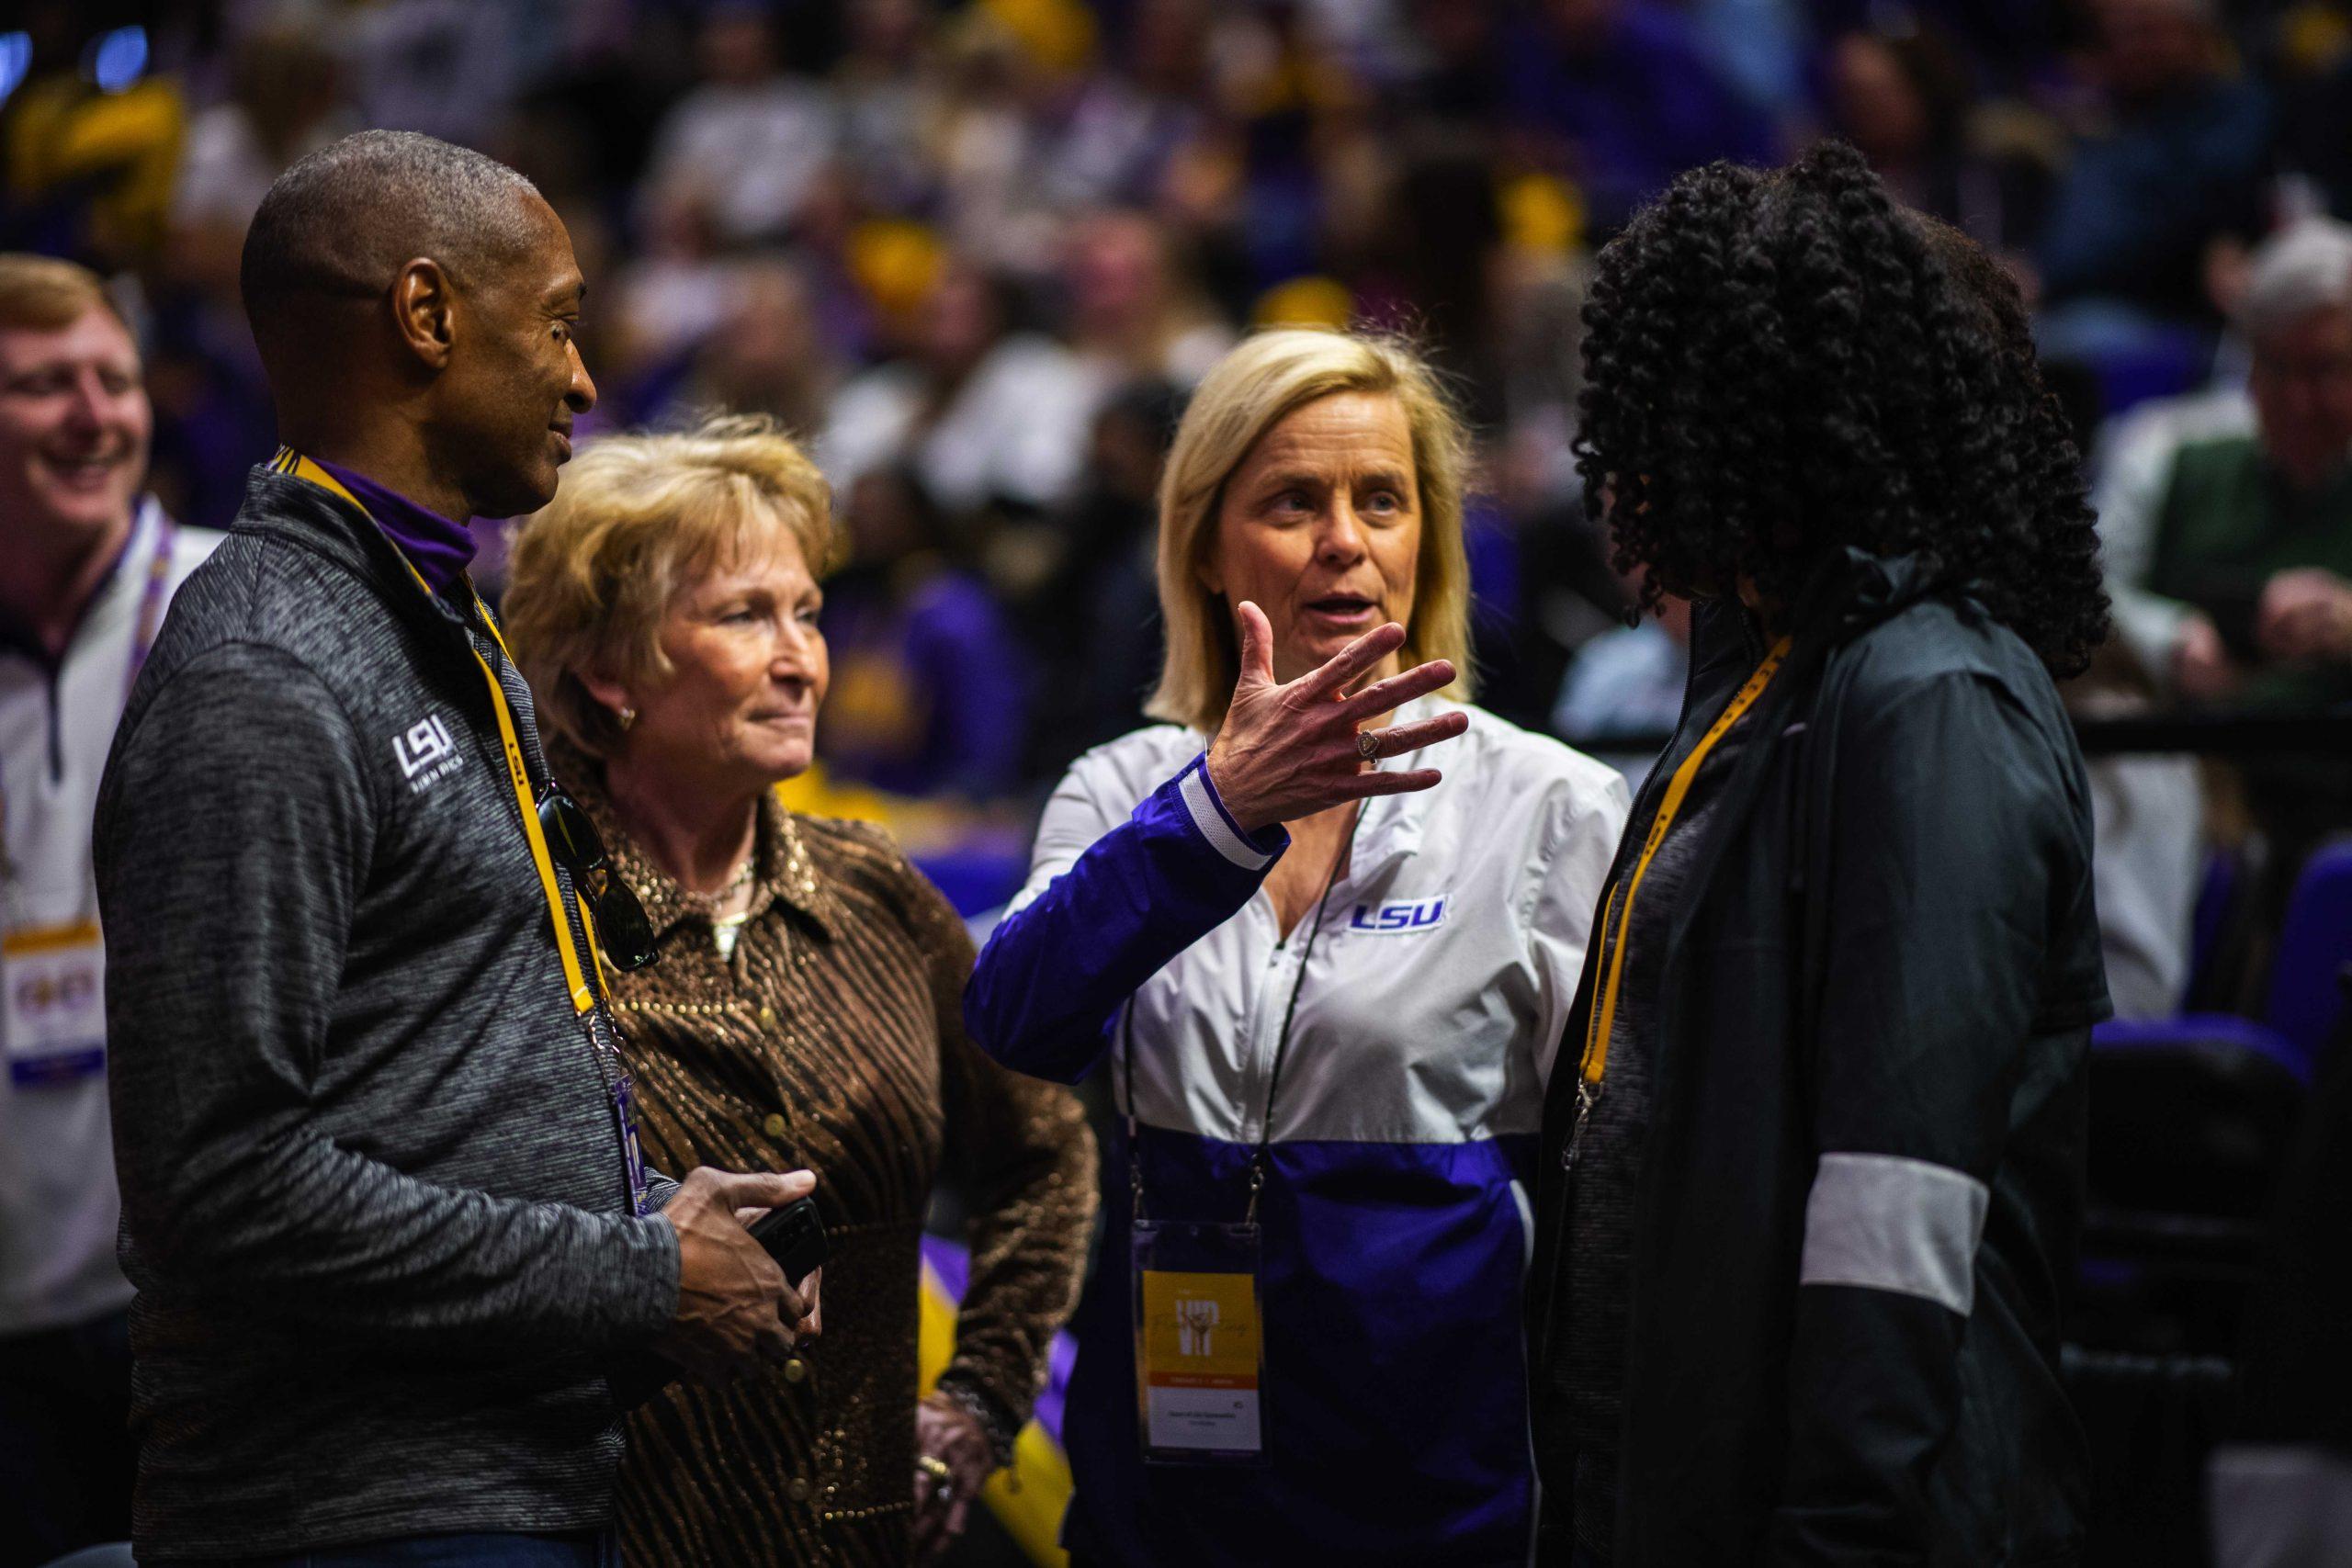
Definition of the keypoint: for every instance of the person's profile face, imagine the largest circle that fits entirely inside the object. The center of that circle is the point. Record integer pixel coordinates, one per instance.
(514, 381)
(2302, 383)
(748, 669)
(1320, 526)
(74, 424)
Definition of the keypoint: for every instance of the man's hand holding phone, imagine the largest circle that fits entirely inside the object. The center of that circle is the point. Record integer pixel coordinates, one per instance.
(735, 1306)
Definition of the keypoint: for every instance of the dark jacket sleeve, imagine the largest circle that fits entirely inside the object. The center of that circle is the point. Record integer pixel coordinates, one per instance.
(1951, 848)
(1023, 1158)
(234, 827)
(1116, 906)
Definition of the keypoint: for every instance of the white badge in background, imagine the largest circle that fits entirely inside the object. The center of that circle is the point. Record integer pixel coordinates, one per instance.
(54, 1004)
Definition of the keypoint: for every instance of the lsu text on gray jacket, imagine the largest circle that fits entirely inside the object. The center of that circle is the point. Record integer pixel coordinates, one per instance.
(374, 1199)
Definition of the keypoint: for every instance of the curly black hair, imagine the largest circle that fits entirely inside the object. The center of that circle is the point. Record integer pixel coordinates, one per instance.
(1780, 364)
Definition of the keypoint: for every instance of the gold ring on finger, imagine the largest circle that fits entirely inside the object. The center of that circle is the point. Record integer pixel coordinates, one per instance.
(934, 1467)
(1367, 744)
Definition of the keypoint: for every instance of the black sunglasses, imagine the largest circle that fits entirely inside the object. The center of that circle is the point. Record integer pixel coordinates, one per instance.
(622, 930)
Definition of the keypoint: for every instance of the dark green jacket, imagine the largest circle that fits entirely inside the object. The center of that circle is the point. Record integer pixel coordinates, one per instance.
(2229, 523)
(1862, 1184)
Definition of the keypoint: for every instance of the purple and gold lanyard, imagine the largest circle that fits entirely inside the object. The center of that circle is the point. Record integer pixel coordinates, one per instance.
(142, 643)
(150, 604)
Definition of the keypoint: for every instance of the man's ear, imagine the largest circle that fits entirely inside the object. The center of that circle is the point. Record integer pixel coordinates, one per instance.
(424, 304)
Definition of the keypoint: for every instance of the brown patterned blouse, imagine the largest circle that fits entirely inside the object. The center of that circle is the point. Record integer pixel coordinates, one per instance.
(834, 1039)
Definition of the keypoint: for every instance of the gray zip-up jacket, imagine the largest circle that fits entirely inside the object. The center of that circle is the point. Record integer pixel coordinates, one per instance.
(374, 1198)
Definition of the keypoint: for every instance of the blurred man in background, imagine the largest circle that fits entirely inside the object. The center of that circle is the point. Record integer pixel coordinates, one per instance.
(2236, 561)
(87, 568)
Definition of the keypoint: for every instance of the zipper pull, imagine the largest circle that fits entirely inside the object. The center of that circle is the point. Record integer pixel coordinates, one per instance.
(1588, 1096)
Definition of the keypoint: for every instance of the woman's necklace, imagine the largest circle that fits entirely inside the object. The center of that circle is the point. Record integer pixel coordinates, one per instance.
(724, 929)
(728, 927)
(709, 902)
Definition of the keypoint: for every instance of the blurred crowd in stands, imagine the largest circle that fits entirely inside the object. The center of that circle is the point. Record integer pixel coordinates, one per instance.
(977, 251)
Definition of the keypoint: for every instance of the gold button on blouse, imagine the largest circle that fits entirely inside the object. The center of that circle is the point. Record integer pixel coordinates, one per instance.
(797, 1489)
(795, 1370)
(774, 1126)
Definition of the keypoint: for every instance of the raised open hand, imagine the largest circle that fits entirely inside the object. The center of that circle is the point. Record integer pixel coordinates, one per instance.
(1290, 750)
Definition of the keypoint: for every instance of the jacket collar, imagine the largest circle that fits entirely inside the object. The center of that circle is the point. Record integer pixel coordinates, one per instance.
(782, 870)
(1847, 592)
(442, 548)
(1852, 590)
(147, 536)
(280, 506)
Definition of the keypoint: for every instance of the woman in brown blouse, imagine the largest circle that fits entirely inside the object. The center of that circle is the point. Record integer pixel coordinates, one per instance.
(803, 1009)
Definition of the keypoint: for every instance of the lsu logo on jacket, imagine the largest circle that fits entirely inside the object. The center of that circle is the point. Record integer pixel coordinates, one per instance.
(1400, 917)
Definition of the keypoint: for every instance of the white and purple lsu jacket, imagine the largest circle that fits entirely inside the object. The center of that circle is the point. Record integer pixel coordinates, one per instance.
(1394, 1217)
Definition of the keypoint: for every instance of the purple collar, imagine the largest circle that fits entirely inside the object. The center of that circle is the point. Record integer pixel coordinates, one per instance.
(442, 549)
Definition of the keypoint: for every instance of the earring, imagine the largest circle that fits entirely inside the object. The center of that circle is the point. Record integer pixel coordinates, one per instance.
(628, 717)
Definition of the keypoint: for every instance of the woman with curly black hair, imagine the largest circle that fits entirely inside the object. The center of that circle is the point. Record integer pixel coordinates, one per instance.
(1813, 1170)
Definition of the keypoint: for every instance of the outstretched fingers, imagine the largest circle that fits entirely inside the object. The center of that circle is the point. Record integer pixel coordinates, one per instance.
(1398, 690)
(1397, 740)
(1354, 661)
(1360, 786)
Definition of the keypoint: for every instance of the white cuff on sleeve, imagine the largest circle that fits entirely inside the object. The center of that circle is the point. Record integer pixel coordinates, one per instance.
(1886, 1223)
(1220, 831)
(2280, 1506)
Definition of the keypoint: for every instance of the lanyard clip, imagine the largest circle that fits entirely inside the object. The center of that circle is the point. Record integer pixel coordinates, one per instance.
(1588, 1096)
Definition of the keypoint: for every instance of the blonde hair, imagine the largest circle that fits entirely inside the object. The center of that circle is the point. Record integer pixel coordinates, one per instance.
(637, 520)
(1269, 377)
(44, 294)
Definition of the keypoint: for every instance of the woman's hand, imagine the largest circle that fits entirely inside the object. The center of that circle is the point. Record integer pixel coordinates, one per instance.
(953, 1457)
(1284, 752)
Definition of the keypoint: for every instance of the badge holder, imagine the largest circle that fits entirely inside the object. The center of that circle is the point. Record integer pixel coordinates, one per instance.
(1200, 1357)
(52, 1005)
(632, 1156)
(1200, 1341)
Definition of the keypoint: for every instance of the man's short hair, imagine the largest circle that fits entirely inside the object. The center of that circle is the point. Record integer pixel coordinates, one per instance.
(2302, 268)
(44, 294)
(341, 221)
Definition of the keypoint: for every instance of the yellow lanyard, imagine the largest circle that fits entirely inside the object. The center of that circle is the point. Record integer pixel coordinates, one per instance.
(1615, 919)
(576, 976)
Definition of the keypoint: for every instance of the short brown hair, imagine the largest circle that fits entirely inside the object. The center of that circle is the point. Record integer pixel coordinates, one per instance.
(638, 519)
(1268, 377)
(44, 294)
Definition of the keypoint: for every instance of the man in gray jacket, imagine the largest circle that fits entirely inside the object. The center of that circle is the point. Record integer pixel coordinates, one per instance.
(380, 1194)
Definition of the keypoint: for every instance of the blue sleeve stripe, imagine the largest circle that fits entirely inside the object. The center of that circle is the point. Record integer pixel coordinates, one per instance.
(1215, 825)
